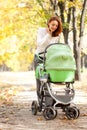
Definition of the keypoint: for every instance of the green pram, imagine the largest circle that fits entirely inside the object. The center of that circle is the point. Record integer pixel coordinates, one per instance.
(57, 67)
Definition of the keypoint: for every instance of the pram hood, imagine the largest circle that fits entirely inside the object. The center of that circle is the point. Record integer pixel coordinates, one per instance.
(60, 57)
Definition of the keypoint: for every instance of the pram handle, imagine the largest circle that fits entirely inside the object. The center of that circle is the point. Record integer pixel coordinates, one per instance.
(51, 45)
(41, 53)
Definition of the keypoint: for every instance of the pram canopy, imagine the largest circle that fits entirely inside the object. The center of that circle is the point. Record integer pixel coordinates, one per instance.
(59, 57)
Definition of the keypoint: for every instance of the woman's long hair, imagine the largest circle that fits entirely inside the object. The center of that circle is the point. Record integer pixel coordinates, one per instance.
(59, 29)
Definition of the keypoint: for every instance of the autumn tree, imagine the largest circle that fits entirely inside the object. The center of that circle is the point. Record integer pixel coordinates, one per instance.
(18, 24)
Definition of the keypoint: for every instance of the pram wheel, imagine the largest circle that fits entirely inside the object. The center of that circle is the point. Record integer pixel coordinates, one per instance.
(78, 112)
(72, 113)
(49, 113)
(34, 107)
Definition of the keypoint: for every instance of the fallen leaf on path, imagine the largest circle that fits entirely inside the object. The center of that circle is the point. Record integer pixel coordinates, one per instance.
(39, 119)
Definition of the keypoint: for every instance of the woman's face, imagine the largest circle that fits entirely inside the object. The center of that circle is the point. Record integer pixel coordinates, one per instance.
(53, 25)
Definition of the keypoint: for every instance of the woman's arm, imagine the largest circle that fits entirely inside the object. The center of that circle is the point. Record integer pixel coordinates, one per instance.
(42, 37)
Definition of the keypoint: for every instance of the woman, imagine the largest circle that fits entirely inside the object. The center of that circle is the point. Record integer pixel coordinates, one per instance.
(48, 35)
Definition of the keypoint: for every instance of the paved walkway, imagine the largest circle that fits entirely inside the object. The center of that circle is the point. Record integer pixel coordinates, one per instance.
(27, 80)
(18, 78)
(19, 116)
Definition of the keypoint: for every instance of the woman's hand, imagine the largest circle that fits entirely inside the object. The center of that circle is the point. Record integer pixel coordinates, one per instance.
(49, 31)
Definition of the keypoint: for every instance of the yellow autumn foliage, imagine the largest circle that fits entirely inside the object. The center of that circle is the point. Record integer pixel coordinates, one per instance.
(18, 26)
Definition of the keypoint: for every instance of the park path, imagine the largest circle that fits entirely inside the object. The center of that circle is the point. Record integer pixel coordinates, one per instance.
(27, 81)
(19, 117)
(18, 78)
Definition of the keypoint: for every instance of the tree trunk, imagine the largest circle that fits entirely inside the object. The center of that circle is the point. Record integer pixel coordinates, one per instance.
(76, 50)
(54, 4)
(82, 30)
(68, 23)
(65, 23)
